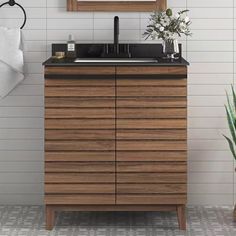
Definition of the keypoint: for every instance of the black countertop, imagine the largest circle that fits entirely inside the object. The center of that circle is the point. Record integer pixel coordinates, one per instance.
(89, 51)
(70, 62)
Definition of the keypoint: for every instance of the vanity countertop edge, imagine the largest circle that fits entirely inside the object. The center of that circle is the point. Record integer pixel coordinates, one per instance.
(69, 62)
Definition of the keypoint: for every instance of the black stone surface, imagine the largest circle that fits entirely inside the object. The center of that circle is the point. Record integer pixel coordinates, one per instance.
(89, 51)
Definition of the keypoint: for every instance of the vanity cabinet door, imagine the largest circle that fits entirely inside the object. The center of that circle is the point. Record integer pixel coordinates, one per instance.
(80, 136)
(151, 138)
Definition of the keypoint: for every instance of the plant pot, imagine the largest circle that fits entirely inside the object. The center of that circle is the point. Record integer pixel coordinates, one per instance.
(170, 48)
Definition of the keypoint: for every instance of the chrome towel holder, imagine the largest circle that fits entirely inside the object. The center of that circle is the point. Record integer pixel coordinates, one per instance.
(13, 3)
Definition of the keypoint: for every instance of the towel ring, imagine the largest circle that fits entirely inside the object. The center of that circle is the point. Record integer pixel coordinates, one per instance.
(13, 3)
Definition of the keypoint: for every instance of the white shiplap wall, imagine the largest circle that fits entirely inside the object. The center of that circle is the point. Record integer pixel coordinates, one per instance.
(210, 52)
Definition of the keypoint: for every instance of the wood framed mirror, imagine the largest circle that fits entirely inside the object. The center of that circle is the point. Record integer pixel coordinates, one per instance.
(116, 5)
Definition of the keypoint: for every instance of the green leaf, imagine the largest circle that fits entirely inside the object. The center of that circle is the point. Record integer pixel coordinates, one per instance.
(231, 124)
(231, 146)
(234, 96)
(231, 109)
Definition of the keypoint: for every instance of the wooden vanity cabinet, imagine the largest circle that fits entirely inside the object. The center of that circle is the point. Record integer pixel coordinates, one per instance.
(116, 139)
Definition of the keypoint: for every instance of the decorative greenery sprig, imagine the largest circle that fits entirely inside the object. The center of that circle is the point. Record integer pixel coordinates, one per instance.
(163, 25)
(231, 118)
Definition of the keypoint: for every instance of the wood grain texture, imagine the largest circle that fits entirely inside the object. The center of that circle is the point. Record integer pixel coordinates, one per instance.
(74, 134)
(80, 91)
(151, 199)
(79, 145)
(91, 199)
(50, 217)
(71, 5)
(80, 113)
(118, 144)
(151, 91)
(79, 188)
(79, 70)
(123, 134)
(151, 156)
(151, 70)
(81, 81)
(140, 102)
(152, 178)
(80, 167)
(151, 113)
(115, 208)
(79, 102)
(151, 145)
(74, 5)
(181, 217)
(138, 80)
(151, 188)
(151, 123)
(79, 124)
(80, 178)
(80, 156)
(149, 167)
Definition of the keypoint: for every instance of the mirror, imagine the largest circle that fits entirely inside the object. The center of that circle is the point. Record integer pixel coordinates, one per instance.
(114, 5)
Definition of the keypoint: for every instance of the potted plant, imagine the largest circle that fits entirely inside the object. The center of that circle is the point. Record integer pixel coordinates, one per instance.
(231, 118)
(166, 26)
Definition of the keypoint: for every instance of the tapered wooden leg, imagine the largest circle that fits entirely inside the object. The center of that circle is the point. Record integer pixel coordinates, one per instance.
(181, 217)
(50, 217)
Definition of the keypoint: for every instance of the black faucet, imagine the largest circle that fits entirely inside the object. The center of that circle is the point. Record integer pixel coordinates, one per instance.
(116, 35)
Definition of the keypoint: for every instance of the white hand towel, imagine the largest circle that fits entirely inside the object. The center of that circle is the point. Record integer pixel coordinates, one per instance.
(11, 60)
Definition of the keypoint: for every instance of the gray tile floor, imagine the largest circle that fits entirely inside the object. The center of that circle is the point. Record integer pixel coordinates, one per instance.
(202, 221)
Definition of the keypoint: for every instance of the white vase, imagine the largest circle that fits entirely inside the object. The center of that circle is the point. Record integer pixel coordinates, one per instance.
(170, 48)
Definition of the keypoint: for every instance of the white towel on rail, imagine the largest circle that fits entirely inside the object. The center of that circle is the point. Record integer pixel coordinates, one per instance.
(11, 60)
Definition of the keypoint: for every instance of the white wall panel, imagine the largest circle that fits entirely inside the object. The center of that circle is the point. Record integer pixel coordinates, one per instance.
(23, 156)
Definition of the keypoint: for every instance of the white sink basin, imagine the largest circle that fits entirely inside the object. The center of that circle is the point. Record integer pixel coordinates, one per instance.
(116, 60)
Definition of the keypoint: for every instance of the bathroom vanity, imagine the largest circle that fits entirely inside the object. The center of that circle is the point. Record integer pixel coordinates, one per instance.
(116, 134)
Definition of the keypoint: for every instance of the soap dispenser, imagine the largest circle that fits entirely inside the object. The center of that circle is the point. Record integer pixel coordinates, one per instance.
(71, 49)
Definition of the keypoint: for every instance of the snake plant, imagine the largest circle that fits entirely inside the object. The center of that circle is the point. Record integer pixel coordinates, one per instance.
(231, 118)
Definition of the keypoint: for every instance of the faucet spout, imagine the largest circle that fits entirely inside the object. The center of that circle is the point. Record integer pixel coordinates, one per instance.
(116, 35)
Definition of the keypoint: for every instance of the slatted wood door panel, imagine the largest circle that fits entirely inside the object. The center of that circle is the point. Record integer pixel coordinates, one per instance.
(80, 136)
(151, 137)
